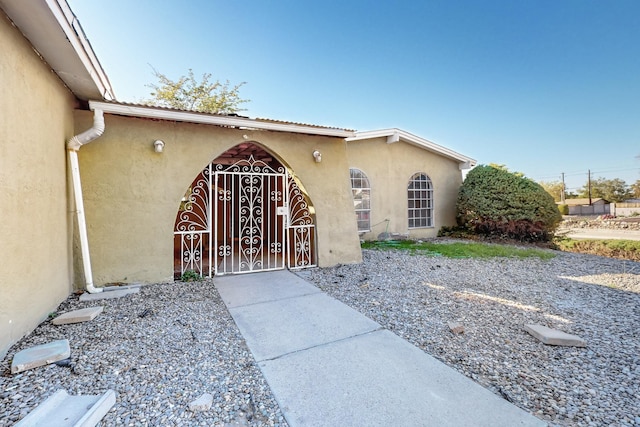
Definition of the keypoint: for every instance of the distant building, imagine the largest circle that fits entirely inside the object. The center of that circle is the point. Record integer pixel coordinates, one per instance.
(581, 206)
(630, 207)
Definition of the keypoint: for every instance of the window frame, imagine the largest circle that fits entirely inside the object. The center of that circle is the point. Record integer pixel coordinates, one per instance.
(356, 195)
(419, 201)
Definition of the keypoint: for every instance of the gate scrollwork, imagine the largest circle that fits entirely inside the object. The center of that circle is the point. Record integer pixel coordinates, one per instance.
(243, 217)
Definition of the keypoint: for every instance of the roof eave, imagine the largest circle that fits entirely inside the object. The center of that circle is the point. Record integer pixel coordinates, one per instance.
(394, 135)
(56, 34)
(211, 119)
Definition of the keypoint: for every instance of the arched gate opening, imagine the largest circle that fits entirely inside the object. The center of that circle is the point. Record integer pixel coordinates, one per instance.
(245, 212)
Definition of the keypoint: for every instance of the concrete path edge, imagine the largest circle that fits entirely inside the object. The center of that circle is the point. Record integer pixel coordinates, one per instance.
(63, 410)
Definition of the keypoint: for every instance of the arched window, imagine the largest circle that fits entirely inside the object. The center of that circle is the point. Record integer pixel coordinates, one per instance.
(420, 197)
(361, 192)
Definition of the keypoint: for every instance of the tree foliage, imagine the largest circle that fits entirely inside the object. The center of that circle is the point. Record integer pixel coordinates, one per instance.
(494, 201)
(554, 188)
(504, 167)
(635, 189)
(187, 93)
(612, 190)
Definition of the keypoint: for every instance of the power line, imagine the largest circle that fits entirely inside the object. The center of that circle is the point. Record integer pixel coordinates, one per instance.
(567, 174)
(616, 170)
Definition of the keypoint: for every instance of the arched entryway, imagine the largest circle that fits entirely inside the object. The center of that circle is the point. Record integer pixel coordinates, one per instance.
(244, 212)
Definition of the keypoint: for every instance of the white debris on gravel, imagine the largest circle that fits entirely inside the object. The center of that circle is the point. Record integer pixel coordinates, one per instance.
(159, 350)
(596, 298)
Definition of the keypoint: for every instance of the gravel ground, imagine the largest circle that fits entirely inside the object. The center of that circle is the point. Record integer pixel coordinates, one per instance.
(159, 350)
(593, 297)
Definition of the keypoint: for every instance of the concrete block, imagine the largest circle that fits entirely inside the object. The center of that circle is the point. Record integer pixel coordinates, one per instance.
(40, 355)
(203, 403)
(553, 336)
(63, 410)
(77, 316)
(121, 287)
(108, 295)
(456, 327)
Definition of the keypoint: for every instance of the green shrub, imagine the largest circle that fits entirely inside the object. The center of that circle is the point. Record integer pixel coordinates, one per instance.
(454, 232)
(564, 209)
(190, 276)
(495, 202)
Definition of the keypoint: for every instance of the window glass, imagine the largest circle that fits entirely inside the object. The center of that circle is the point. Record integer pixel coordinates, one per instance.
(361, 192)
(420, 201)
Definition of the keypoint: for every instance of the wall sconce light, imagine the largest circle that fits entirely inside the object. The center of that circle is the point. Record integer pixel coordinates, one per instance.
(158, 146)
(317, 156)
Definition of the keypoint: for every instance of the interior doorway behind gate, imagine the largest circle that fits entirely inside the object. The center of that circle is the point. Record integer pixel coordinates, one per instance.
(243, 213)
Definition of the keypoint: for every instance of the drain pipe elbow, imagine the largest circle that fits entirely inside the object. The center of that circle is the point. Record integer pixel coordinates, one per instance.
(90, 134)
(73, 146)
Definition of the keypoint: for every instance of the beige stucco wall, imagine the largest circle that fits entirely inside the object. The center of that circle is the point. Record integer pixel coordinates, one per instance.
(36, 117)
(132, 194)
(389, 168)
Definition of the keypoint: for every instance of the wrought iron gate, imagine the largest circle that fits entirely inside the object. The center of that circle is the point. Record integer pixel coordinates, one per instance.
(243, 218)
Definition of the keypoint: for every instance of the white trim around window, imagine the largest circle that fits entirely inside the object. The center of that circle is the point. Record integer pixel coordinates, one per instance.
(361, 193)
(420, 201)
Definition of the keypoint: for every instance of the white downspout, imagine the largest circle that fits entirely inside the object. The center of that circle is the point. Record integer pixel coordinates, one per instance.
(73, 146)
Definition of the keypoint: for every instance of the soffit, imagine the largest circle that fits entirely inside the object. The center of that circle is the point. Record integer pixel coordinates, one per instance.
(56, 34)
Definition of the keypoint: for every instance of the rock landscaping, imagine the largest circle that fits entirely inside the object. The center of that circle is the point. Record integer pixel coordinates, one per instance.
(164, 351)
(595, 298)
(174, 356)
(606, 222)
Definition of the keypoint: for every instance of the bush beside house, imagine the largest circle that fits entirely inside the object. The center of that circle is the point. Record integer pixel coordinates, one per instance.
(495, 202)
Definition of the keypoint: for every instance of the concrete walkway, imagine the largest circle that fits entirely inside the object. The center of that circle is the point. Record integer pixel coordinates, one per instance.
(329, 365)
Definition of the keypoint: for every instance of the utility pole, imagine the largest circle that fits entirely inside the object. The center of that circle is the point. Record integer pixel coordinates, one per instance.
(589, 185)
(563, 190)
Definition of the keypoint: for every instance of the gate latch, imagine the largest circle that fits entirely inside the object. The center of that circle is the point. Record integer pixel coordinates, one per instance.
(282, 210)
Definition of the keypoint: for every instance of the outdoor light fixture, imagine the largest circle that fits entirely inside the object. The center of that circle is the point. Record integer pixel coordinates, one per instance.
(317, 156)
(158, 146)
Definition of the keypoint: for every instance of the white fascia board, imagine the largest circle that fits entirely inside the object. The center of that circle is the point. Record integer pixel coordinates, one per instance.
(394, 135)
(56, 35)
(76, 36)
(371, 134)
(203, 118)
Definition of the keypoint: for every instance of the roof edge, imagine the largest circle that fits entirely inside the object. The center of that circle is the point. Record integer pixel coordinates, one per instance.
(211, 119)
(394, 135)
(56, 34)
(78, 39)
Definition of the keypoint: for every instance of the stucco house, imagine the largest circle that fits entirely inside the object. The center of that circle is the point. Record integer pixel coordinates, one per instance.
(97, 191)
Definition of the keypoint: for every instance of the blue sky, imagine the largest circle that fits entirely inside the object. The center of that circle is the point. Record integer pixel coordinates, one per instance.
(544, 87)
